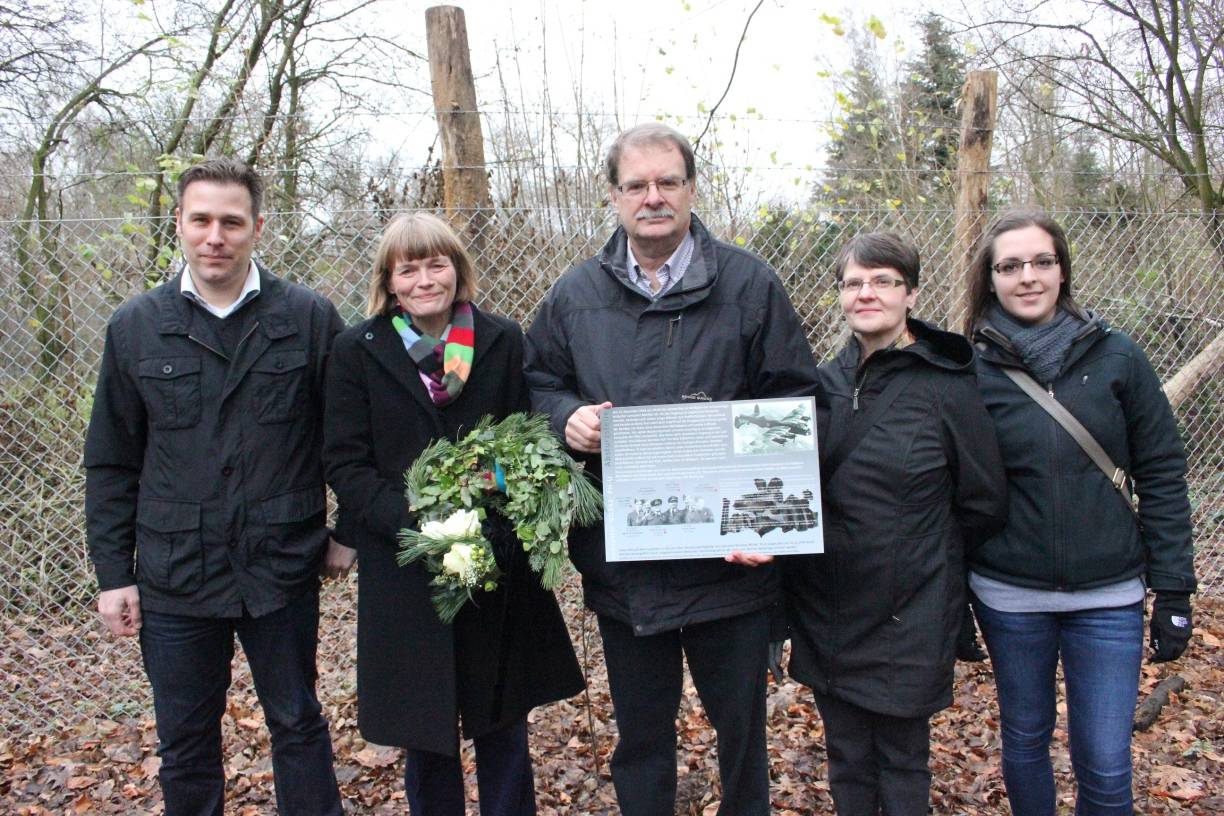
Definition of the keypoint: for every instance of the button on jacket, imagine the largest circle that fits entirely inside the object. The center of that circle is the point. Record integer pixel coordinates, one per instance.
(204, 480)
(725, 331)
(1067, 527)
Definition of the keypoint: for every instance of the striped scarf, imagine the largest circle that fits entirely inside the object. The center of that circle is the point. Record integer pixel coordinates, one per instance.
(446, 362)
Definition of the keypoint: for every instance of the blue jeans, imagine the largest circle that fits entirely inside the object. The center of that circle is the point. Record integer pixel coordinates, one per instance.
(433, 783)
(1101, 651)
(188, 663)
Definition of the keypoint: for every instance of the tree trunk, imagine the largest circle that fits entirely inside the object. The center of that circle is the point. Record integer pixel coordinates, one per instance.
(465, 182)
(979, 106)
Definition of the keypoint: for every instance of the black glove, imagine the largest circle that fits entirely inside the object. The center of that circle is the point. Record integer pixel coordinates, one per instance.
(1171, 626)
(775, 660)
(967, 647)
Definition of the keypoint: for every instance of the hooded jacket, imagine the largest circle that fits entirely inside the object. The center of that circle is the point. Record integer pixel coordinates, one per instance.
(725, 331)
(1067, 527)
(874, 618)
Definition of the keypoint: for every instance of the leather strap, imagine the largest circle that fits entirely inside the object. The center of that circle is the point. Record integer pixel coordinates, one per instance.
(1116, 475)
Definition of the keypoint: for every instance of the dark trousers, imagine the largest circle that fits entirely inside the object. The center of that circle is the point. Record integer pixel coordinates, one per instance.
(877, 763)
(433, 783)
(188, 663)
(726, 659)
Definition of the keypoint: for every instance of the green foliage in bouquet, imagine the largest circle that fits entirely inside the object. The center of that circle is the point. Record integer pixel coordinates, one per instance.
(518, 468)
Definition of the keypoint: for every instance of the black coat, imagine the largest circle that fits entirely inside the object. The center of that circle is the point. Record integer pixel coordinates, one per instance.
(204, 481)
(726, 331)
(1066, 527)
(415, 675)
(874, 618)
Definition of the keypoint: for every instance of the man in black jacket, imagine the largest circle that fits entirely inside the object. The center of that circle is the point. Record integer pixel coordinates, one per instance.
(666, 314)
(204, 497)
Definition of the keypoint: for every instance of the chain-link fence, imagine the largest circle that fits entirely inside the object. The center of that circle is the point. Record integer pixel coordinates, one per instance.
(1154, 275)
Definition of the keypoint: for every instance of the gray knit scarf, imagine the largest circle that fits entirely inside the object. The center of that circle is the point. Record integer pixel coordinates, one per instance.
(1043, 348)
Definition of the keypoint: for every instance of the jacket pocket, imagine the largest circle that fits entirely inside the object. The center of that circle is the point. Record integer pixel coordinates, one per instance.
(292, 531)
(169, 547)
(171, 390)
(277, 383)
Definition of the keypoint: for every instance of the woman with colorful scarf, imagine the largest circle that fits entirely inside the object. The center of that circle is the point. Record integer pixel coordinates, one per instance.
(427, 364)
(1065, 579)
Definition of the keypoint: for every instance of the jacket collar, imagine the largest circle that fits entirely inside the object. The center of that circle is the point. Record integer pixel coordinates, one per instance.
(387, 347)
(271, 309)
(939, 348)
(994, 347)
(700, 276)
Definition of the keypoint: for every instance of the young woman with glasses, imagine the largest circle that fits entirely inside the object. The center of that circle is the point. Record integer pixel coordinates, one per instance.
(1065, 579)
(910, 474)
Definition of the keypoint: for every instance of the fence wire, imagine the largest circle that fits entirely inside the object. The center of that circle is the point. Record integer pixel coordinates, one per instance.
(1153, 275)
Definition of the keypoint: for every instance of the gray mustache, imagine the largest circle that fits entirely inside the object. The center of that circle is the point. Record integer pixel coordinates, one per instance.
(662, 212)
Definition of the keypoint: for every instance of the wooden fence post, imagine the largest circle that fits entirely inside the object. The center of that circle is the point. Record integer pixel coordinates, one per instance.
(465, 181)
(979, 106)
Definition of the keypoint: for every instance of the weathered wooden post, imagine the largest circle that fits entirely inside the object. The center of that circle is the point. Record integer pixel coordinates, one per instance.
(979, 106)
(465, 181)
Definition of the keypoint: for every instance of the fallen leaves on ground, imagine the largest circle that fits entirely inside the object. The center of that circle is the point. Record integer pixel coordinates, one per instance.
(105, 766)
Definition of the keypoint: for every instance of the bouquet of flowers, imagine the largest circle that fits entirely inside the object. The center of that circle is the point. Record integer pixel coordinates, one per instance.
(457, 556)
(515, 467)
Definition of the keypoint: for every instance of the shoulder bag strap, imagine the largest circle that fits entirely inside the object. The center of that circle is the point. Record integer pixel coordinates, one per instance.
(1116, 475)
(874, 414)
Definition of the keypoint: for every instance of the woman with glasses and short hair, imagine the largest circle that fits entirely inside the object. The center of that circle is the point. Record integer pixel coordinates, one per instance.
(910, 474)
(1064, 580)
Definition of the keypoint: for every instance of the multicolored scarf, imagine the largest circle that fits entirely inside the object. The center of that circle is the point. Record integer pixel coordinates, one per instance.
(446, 362)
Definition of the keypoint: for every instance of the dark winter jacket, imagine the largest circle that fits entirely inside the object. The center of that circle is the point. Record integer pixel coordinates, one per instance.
(416, 677)
(874, 618)
(725, 331)
(1067, 528)
(204, 481)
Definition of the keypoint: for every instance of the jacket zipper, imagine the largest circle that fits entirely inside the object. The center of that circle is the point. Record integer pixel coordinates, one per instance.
(195, 339)
(245, 337)
(858, 386)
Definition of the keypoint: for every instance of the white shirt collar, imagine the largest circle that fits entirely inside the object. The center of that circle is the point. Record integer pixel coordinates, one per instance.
(249, 290)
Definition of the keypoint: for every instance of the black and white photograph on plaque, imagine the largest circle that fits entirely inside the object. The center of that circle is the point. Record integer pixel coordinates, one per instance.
(673, 509)
(773, 426)
(768, 507)
(704, 479)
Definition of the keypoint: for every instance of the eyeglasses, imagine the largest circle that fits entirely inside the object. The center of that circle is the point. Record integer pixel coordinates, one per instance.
(667, 184)
(879, 283)
(1012, 266)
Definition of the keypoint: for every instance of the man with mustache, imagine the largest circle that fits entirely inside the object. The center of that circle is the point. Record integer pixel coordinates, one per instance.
(663, 314)
(204, 496)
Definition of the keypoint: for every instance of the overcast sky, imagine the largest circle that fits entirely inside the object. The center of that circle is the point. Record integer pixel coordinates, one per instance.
(637, 59)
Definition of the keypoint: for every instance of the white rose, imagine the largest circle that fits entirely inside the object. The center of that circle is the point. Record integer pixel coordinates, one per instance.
(461, 524)
(458, 561)
(434, 530)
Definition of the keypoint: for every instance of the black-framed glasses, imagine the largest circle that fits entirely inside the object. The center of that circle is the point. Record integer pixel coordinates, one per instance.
(1012, 266)
(667, 184)
(878, 283)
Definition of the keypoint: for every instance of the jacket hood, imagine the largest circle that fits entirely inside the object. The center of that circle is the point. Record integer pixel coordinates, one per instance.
(940, 348)
(699, 277)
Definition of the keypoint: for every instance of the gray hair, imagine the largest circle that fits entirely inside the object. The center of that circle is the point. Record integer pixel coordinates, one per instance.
(651, 133)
